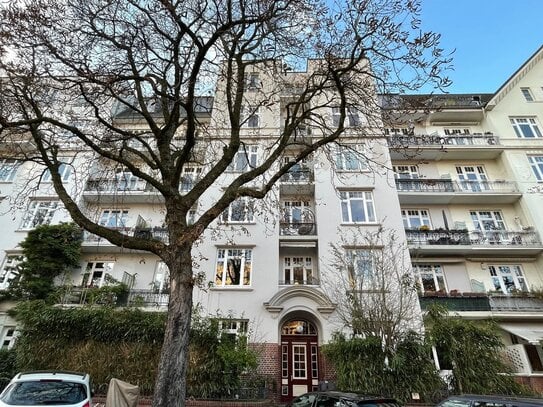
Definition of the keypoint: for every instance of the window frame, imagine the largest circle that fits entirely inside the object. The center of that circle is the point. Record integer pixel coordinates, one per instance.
(536, 162)
(244, 159)
(9, 271)
(224, 255)
(524, 124)
(251, 117)
(120, 216)
(243, 205)
(423, 215)
(436, 274)
(364, 200)
(252, 82)
(350, 158)
(88, 279)
(361, 267)
(292, 265)
(44, 208)
(518, 280)
(8, 169)
(527, 93)
(64, 170)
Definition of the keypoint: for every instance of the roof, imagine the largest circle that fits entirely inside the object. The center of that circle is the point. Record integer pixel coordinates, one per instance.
(51, 374)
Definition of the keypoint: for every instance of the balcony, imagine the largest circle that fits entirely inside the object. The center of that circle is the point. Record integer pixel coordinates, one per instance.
(94, 243)
(436, 147)
(498, 243)
(148, 298)
(447, 191)
(296, 281)
(134, 298)
(133, 190)
(298, 180)
(498, 304)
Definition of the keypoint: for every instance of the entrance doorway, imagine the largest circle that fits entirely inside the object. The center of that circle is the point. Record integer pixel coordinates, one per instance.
(299, 358)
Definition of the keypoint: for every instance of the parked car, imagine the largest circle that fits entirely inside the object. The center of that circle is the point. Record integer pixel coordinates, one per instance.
(476, 400)
(340, 399)
(51, 388)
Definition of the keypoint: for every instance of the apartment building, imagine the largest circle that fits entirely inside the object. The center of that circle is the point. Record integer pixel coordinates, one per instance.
(458, 182)
(266, 265)
(468, 172)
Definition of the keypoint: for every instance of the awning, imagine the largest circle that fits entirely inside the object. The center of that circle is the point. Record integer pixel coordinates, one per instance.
(531, 332)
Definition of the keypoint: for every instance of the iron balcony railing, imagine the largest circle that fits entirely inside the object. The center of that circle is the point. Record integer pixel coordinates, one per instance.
(298, 174)
(118, 185)
(448, 185)
(434, 140)
(473, 237)
(456, 303)
(522, 302)
(150, 233)
(148, 298)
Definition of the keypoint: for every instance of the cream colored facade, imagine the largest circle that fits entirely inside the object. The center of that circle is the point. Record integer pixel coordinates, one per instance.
(469, 177)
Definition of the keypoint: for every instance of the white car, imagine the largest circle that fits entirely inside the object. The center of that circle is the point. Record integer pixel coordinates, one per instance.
(48, 388)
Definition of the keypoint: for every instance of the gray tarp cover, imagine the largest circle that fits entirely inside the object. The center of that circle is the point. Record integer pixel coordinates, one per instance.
(122, 394)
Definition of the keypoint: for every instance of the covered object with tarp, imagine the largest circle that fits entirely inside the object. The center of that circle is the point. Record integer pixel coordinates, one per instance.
(122, 394)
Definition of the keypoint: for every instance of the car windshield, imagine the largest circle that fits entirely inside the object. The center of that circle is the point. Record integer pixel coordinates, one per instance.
(45, 392)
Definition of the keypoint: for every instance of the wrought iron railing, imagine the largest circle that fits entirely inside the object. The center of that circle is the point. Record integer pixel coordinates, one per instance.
(456, 303)
(298, 228)
(154, 233)
(148, 298)
(295, 281)
(298, 175)
(473, 237)
(448, 185)
(434, 140)
(118, 185)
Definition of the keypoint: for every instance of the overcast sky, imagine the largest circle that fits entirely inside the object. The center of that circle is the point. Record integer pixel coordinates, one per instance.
(492, 38)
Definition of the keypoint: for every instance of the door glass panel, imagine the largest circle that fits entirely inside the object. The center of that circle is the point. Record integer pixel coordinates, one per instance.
(299, 362)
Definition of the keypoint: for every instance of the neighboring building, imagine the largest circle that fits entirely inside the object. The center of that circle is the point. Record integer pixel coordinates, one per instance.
(465, 166)
(469, 174)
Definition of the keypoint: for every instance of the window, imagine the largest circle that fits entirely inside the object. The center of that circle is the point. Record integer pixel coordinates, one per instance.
(8, 336)
(403, 131)
(527, 93)
(95, 273)
(8, 169)
(234, 329)
(430, 277)
(39, 213)
(361, 267)
(114, 218)
(10, 269)
(239, 211)
(415, 218)
(64, 170)
(161, 278)
(525, 127)
(472, 178)
(350, 158)
(234, 267)
(251, 117)
(298, 270)
(487, 220)
(357, 207)
(455, 131)
(126, 181)
(507, 278)
(352, 117)
(536, 161)
(189, 177)
(252, 81)
(245, 159)
(406, 171)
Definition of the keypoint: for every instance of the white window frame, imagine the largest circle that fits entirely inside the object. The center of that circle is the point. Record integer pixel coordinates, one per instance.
(8, 169)
(432, 273)
(9, 335)
(472, 177)
(536, 162)
(411, 214)
(161, 278)
(251, 117)
(507, 278)
(225, 258)
(9, 269)
(528, 95)
(245, 159)
(401, 131)
(456, 131)
(39, 213)
(189, 176)
(236, 328)
(252, 81)
(361, 268)
(526, 127)
(95, 273)
(487, 220)
(64, 170)
(239, 211)
(350, 158)
(357, 207)
(406, 171)
(113, 218)
(298, 270)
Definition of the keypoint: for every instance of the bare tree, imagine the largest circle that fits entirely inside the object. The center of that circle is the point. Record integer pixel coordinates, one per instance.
(82, 69)
(373, 286)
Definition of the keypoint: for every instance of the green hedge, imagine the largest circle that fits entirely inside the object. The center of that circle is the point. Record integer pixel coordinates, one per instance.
(126, 343)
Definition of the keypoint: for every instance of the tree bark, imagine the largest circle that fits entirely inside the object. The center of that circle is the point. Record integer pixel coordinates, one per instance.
(171, 383)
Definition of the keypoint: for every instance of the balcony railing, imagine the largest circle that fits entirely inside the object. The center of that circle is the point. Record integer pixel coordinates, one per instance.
(298, 228)
(423, 140)
(298, 175)
(155, 233)
(295, 281)
(118, 185)
(523, 302)
(448, 185)
(473, 237)
(148, 298)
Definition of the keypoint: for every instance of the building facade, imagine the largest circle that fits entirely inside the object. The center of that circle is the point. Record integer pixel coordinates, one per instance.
(455, 178)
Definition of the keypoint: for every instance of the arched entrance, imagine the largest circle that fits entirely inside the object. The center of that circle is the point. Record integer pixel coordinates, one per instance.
(299, 358)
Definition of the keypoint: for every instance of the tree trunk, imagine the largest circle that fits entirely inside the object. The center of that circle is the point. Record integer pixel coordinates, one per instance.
(171, 382)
